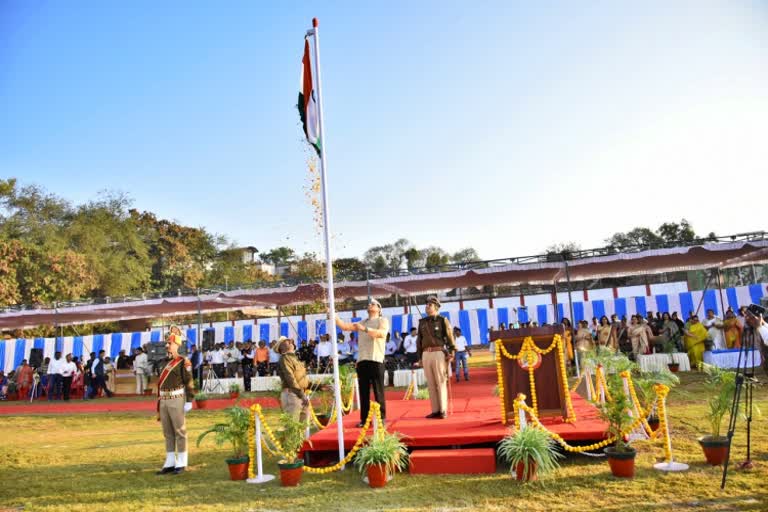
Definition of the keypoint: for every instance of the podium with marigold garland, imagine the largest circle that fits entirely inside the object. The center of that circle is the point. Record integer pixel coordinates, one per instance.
(531, 361)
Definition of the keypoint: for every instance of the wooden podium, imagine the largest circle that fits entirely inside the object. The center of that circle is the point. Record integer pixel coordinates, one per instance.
(548, 378)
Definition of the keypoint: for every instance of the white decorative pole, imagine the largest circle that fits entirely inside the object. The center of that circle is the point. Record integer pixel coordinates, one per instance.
(327, 233)
(260, 476)
(357, 394)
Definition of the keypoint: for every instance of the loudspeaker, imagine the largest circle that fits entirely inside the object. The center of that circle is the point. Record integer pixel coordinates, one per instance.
(209, 339)
(36, 358)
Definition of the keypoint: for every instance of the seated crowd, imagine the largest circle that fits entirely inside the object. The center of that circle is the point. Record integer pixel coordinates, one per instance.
(660, 332)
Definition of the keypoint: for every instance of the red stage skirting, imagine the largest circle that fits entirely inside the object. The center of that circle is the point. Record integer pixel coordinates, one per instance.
(475, 419)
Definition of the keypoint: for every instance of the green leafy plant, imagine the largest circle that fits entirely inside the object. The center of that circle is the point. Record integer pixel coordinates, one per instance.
(644, 385)
(347, 379)
(201, 397)
(383, 448)
(422, 394)
(615, 412)
(530, 446)
(234, 387)
(291, 436)
(233, 430)
(721, 385)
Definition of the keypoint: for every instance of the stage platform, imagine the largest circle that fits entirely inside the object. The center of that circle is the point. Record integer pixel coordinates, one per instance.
(474, 421)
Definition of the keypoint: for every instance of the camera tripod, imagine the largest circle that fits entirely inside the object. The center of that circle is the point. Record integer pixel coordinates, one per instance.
(745, 380)
(212, 384)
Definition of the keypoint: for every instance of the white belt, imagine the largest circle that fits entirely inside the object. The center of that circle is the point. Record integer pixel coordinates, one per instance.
(166, 395)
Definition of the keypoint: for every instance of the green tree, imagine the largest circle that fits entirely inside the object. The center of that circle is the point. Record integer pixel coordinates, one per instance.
(669, 233)
(180, 255)
(348, 268)
(108, 237)
(435, 257)
(279, 256)
(466, 255)
(307, 268)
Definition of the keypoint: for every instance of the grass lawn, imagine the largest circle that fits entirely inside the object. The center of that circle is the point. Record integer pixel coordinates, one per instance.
(107, 462)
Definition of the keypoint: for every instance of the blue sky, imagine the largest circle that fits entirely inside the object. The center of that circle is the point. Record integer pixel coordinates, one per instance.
(505, 126)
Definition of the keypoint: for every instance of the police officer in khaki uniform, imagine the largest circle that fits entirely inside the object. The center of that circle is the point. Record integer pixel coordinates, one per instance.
(435, 348)
(176, 389)
(294, 380)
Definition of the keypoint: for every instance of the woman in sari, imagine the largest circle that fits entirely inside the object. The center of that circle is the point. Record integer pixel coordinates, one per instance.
(568, 338)
(694, 337)
(638, 336)
(732, 328)
(669, 330)
(583, 339)
(606, 336)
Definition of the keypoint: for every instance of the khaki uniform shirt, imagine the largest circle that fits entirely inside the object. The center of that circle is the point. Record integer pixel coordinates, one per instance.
(293, 374)
(180, 377)
(430, 334)
(370, 348)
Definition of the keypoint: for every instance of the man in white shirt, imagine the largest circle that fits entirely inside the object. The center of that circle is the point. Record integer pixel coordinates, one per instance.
(140, 370)
(462, 352)
(409, 344)
(55, 381)
(345, 350)
(68, 370)
(217, 361)
(372, 334)
(715, 330)
(324, 351)
(757, 323)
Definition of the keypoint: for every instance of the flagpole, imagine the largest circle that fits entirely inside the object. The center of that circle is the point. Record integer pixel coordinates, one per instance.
(327, 234)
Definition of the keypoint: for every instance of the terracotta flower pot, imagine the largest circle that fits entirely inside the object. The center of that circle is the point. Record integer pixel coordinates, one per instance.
(377, 475)
(523, 476)
(201, 404)
(673, 367)
(323, 419)
(290, 473)
(622, 463)
(653, 423)
(238, 468)
(234, 394)
(715, 449)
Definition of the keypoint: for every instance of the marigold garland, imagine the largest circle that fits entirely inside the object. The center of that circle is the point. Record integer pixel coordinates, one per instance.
(520, 404)
(528, 350)
(661, 396)
(375, 411)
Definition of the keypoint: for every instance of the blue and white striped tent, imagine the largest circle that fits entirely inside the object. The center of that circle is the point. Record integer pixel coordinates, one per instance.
(474, 321)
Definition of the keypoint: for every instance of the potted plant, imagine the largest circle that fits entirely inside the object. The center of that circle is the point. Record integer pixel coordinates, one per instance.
(670, 347)
(234, 390)
(325, 401)
(201, 400)
(291, 436)
(621, 457)
(529, 452)
(647, 396)
(383, 454)
(233, 430)
(422, 394)
(721, 385)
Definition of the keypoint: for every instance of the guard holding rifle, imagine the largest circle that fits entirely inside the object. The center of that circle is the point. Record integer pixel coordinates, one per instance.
(175, 391)
(436, 348)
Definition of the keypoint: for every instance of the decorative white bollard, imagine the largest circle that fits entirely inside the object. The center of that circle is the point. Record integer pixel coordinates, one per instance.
(260, 476)
(357, 394)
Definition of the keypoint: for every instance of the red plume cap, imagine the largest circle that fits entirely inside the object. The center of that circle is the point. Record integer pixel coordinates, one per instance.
(315, 23)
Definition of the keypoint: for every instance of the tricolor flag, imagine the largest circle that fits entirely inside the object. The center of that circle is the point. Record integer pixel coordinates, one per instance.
(308, 103)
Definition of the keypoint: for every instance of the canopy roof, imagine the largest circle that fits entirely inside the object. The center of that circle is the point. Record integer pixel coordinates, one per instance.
(541, 272)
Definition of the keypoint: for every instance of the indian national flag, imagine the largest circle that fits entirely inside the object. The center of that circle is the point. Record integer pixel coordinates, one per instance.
(307, 102)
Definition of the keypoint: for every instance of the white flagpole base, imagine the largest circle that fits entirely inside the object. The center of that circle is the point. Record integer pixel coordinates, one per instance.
(261, 479)
(671, 466)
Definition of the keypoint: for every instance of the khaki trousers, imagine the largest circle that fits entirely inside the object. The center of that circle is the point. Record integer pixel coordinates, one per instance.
(292, 405)
(174, 424)
(436, 373)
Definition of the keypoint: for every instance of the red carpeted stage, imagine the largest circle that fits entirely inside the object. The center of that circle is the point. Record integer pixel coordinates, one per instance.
(475, 419)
